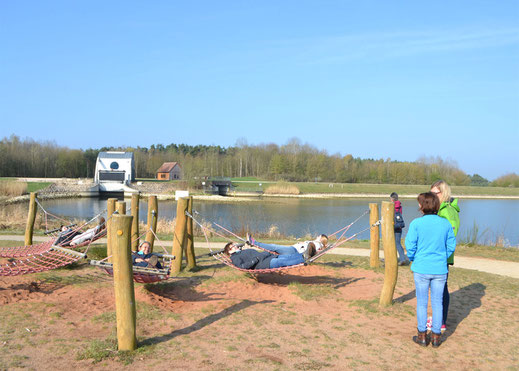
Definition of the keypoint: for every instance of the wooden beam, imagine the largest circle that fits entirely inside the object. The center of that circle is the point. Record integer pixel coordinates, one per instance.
(31, 217)
(153, 214)
(374, 236)
(390, 258)
(189, 240)
(135, 221)
(110, 210)
(179, 235)
(123, 282)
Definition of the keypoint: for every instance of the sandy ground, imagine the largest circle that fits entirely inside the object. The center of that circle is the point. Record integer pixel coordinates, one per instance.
(323, 316)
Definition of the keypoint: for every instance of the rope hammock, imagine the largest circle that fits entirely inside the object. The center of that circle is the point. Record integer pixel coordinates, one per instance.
(22, 251)
(100, 230)
(41, 248)
(142, 274)
(50, 257)
(220, 256)
(43, 256)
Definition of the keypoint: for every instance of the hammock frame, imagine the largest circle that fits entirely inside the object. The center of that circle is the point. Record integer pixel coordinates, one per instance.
(220, 256)
(140, 274)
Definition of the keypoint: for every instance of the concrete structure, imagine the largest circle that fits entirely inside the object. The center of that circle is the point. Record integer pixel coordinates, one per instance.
(114, 172)
(169, 171)
(218, 185)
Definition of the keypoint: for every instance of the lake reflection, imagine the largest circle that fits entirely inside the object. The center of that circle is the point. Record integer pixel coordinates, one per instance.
(300, 217)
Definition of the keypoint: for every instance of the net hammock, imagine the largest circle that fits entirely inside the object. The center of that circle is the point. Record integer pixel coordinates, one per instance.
(54, 234)
(23, 251)
(225, 259)
(75, 236)
(51, 257)
(143, 274)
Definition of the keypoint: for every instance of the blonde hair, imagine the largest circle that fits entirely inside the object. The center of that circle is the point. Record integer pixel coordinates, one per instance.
(444, 188)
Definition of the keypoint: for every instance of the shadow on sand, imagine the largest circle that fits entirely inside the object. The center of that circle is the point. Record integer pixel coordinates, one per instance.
(201, 323)
(462, 302)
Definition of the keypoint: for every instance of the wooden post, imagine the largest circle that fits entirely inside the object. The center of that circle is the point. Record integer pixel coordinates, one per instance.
(390, 259)
(189, 241)
(123, 282)
(121, 207)
(110, 209)
(179, 235)
(153, 214)
(374, 236)
(135, 221)
(31, 217)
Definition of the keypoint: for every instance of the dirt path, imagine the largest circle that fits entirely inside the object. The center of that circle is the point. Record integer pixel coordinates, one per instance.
(500, 267)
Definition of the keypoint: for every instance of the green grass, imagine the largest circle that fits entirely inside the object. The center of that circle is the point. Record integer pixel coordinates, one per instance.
(499, 286)
(37, 186)
(489, 252)
(98, 350)
(311, 292)
(31, 186)
(246, 179)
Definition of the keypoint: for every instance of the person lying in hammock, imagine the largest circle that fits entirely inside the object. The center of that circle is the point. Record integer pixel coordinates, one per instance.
(89, 234)
(253, 259)
(65, 235)
(145, 258)
(306, 248)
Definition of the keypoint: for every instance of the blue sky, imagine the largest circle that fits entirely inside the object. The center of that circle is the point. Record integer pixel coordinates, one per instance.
(375, 79)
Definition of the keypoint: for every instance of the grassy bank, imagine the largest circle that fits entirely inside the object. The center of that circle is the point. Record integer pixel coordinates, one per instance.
(251, 185)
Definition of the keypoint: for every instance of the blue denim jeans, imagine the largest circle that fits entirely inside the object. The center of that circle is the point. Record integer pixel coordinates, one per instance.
(281, 250)
(402, 257)
(288, 255)
(436, 282)
(286, 260)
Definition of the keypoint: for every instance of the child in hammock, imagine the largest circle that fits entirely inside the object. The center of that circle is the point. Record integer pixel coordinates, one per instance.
(306, 248)
(145, 258)
(253, 259)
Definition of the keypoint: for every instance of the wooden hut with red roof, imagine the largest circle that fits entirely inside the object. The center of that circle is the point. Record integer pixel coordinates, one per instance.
(169, 171)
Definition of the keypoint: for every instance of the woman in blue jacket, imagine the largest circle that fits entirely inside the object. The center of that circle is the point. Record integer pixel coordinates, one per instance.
(429, 242)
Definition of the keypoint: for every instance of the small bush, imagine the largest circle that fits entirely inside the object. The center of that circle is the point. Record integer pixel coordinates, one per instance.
(12, 188)
(14, 216)
(283, 189)
(508, 180)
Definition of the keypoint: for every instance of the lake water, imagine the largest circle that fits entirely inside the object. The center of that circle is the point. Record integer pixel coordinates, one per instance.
(494, 219)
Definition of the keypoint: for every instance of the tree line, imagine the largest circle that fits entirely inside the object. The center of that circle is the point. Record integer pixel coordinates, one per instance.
(293, 161)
